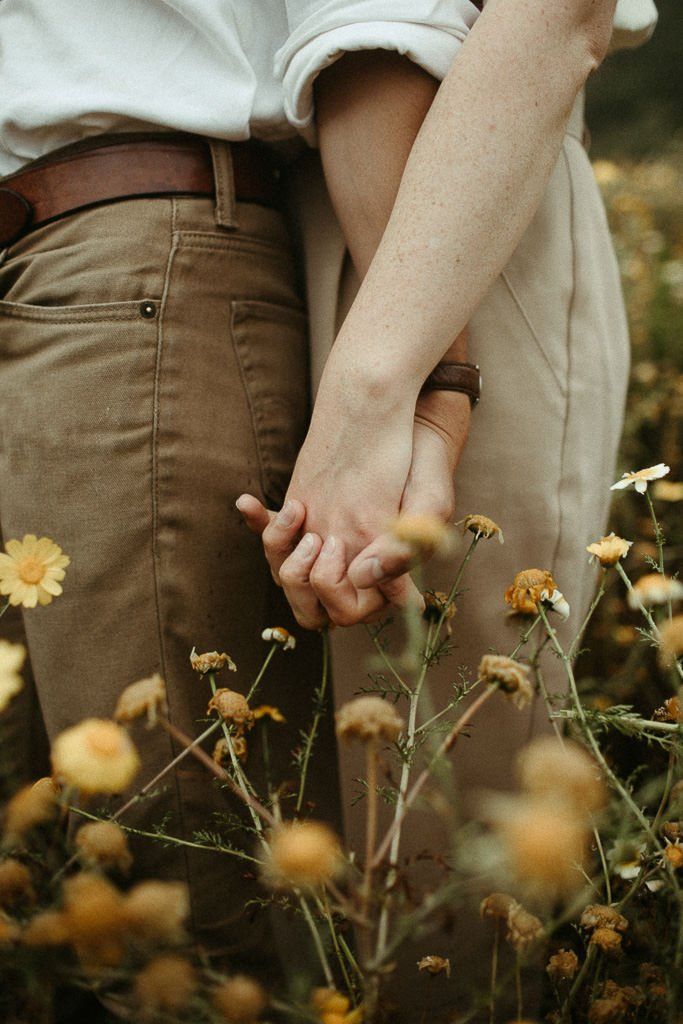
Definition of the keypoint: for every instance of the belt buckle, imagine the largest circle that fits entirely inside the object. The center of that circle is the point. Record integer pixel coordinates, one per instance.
(16, 216)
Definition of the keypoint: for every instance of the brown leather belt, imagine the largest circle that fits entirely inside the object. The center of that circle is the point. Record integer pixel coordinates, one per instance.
(84, 176)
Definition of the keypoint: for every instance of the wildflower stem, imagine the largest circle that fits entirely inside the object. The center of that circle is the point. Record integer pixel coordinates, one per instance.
(242, 780)
(256, 809)
(447, 744)
(164, 771)
(678, 667)
(387, 662)
(595, 746)
(165, 837)
(317, 941)
(262, 671)
(324, 908)
(371, 826)
(395, 839)
(494, 973)
(589, 615)
(313, 731)
(4, 606)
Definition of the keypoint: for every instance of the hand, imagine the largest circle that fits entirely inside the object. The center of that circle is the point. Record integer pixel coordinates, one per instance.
(442, 422)
(350, 479)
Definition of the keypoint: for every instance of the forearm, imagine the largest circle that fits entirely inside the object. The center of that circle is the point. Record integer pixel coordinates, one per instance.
(370, 106)
(491, 139)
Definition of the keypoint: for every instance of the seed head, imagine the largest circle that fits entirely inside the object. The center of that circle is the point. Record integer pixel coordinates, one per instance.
(211, 661)
(561, 771)
(239, 1000)
(146, 697)
(104, 844)
(304, 854)
(481, 527)
(166, 984)
(95, 756)
(510, 676)
(233, 708)
(156, 911)
(563, 965)
(369, 720)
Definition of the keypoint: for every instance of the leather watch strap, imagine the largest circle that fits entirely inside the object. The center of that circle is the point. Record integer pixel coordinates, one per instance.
(463, 377)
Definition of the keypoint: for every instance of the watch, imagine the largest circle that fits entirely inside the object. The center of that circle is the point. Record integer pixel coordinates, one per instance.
(463, 377)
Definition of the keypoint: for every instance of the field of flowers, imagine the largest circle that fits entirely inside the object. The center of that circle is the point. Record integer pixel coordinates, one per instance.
(583, 865)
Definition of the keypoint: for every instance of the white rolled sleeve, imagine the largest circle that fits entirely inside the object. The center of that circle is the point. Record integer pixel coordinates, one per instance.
(428, 32)
(634, 23)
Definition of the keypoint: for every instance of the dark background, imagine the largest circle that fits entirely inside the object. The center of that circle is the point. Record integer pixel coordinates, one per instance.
(635, 100)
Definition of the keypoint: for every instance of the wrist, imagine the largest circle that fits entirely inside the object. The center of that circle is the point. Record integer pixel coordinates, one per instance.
(369, 390)
(446, 413)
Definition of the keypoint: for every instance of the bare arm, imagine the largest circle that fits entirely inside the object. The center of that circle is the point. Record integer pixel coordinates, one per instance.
(471, 185)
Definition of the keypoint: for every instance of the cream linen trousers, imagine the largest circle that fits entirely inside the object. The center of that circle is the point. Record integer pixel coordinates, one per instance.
(552, 342)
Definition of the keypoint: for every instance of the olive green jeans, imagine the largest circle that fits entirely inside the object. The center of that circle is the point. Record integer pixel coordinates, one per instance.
(153, 366)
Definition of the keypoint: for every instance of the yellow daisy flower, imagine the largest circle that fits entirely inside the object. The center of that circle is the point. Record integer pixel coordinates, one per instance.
(31, 571)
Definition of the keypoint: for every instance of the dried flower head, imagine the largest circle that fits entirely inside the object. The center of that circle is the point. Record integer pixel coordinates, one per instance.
(670, 711)
(303, 854)
(104, 844)
(510, 676)
(279, 635)
(598, 915)
(563, 965)
(672, 830)
(615, 1004)
(481, 527)
(435, 965)
(545, 844)
(673, 855)
(233, 708)
(532, 587)
(329, 1001)
(607, 940)
(166, 984)
(425, 534)
(31, 571)
(30, 806)
(497, 905)
(609, 550)
(524, 928)
(564, 771)
(16, 885)
(436, 605)
(369, 719)
(671, 640)
(641, 478)
(48, 928)
(146, 697)
(211, 661)
(268, 711)
(221, 751)
(12, 658)
(156, 911)
(239, 1000)
(654, 588)
(94, 919)
(95, 756)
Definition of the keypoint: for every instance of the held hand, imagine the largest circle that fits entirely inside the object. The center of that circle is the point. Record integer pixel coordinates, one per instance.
(442, 422)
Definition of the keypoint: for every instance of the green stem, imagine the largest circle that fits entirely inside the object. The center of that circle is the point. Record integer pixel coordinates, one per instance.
(589, 615)
(317, 941)
(312, 734)
(262, 671)
(4, 605)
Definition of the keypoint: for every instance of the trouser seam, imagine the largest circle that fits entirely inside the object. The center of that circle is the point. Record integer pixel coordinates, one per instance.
(156, 404)
(567, 394)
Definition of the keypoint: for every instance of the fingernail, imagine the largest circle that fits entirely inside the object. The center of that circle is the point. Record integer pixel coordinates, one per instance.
(240, 502)
(377, 570)
(286, 515)
(329, 547)
(306, 544)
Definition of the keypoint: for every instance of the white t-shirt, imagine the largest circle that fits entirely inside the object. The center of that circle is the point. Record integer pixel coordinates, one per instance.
(228, 69)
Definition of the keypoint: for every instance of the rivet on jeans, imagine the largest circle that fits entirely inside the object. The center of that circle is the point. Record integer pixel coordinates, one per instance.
(148, 310)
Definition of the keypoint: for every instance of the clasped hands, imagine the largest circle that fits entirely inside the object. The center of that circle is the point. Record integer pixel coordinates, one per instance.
(362, 464)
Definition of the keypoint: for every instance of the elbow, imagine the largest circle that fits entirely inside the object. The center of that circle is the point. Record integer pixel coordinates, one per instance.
(594, 26)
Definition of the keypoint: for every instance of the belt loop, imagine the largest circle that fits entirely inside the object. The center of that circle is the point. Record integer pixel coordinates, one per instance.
(224, 180)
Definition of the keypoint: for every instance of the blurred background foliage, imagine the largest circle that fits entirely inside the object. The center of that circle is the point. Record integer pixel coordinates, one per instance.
(634, 109)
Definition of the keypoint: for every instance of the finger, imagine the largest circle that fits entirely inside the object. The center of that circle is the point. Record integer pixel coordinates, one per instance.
(402, 593)
(295, 574)
(281, 535)
(382, 561)
(344, 604)
(254, 513)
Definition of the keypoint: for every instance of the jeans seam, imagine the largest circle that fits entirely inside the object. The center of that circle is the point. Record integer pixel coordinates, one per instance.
(155, 518)
(532, 330)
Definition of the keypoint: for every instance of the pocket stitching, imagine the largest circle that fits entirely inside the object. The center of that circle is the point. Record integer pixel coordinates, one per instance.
(97, 312)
